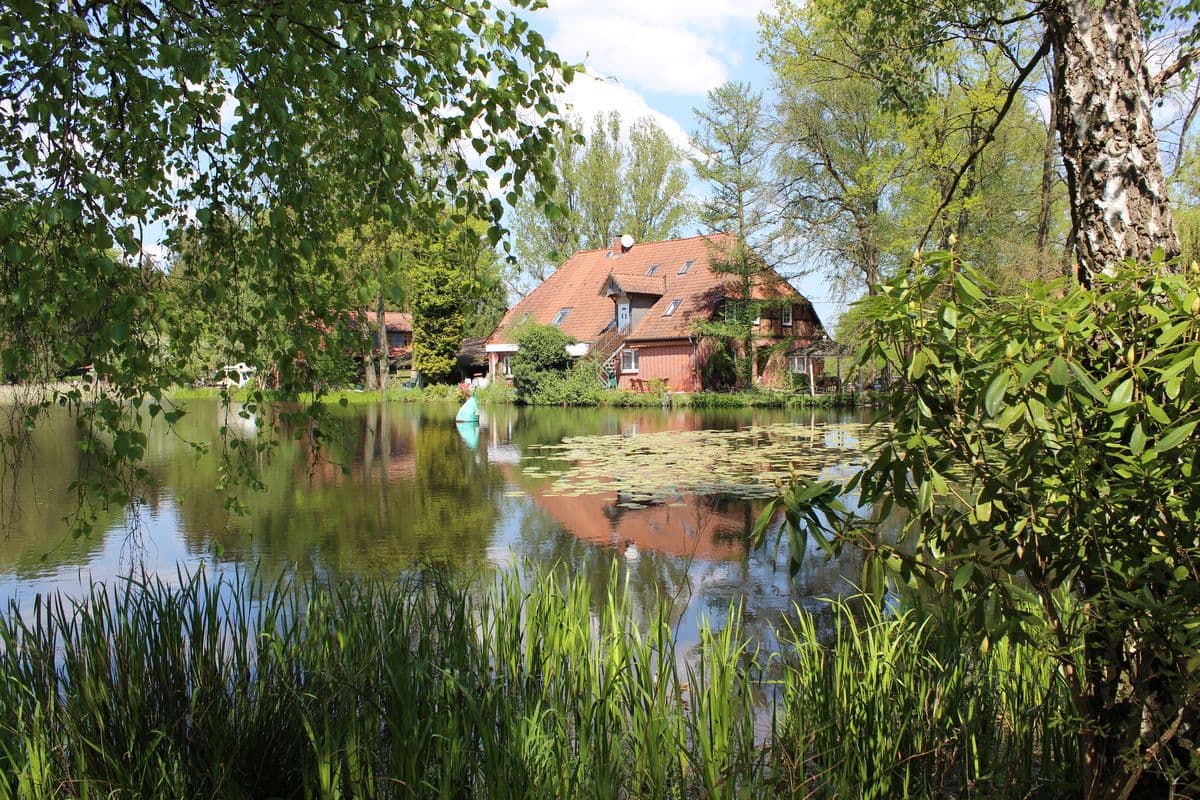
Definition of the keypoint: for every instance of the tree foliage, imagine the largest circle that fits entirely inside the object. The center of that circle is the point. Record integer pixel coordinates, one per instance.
(610, 183)
(1044, 448)
(735, 151)
(125, 120)
(450, 274)
(1101, 89)
(544, 374)
(865, 182)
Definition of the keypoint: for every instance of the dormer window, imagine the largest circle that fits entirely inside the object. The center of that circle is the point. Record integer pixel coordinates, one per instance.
(653, 268)
(686, 266)
(560, 316)
(671, 308)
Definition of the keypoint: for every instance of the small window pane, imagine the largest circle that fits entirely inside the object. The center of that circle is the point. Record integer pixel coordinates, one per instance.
(787, 316)
(686, 266)
(629, 361)
(562, 314)
(653, 269)
(671, 308)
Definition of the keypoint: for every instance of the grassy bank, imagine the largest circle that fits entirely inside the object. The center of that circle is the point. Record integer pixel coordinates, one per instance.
(419, 688)
(614, 398)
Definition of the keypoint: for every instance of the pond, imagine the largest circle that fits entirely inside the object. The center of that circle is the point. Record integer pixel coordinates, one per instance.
(667, 497)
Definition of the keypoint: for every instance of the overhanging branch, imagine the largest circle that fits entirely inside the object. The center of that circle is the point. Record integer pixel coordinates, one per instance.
(988, 136)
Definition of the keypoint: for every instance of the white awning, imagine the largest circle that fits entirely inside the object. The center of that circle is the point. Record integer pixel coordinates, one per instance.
(500, 348)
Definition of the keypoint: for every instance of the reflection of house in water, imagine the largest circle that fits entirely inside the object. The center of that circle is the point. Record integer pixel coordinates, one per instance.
(707, 528)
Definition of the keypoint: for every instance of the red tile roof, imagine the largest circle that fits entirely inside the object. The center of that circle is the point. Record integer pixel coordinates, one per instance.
(640, 284)
(395, 321)
(580, 282)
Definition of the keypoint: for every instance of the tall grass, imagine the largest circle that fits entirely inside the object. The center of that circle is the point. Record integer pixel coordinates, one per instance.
(423, 688)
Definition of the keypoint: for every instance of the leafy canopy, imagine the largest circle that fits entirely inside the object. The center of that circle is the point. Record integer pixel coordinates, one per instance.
(124, 122)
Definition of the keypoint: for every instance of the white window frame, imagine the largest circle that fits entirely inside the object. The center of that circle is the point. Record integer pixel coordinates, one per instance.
(561, 316)
(653, 268)
(671, 308)
(506, 365)
(798, 364)
(786, 316)
(633, 360)
(686, 266)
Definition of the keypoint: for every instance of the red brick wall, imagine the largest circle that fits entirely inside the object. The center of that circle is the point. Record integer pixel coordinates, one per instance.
(671, 362)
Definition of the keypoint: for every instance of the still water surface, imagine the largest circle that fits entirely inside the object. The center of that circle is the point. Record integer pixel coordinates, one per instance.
(397, 485)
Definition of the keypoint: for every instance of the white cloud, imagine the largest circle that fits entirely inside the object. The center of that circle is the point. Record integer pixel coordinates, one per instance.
(666, 45)
(588, 95)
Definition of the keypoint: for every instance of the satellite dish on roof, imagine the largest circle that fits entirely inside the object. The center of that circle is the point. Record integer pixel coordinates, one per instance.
(626, 242)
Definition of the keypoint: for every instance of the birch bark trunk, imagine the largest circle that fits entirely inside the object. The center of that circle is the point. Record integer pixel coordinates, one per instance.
(1109, 146)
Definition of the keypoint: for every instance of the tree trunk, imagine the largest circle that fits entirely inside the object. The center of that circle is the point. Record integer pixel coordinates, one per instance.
(381, 326)
(1047, 191)
(1110, 150)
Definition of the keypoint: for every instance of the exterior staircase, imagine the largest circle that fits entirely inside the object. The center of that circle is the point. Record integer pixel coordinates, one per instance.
(606, 350)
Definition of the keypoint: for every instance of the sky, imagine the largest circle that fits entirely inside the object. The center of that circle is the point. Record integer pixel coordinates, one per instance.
(660, 58)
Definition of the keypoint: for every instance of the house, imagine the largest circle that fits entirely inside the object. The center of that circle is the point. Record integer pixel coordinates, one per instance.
(634, 308)
(399, 335)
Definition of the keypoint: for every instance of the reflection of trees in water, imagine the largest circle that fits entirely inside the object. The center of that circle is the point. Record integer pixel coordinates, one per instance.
(35, 499)
(387, 490)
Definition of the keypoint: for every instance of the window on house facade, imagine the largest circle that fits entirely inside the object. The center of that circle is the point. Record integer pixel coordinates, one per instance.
(506, 366)
(671, 308)
(396, 339)
(629, 361)
(560, 316)
(798, 364)
(686, 266)
(653, 268)
(757, 315)
(786, 316)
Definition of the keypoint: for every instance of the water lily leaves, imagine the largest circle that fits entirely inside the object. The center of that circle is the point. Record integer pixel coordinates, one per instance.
(655, 468)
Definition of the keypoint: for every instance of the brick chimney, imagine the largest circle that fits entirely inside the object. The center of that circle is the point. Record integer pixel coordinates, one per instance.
(621, 245)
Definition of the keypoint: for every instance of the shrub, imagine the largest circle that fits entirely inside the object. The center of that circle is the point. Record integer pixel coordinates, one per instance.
(1044, 449)
(540, 358)
(496, 392)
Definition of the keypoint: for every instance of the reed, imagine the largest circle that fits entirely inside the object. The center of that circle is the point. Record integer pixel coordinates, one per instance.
(425, 687)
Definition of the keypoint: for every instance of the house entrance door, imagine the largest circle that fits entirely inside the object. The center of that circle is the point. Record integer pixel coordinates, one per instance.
(622, 316)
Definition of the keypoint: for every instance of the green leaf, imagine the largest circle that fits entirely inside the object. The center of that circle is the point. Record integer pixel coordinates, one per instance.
(1175, 437)
(967, 289)
(924, 496)
(1137, 440)
(916, 367)
(1122, 394)
(1032, 370)
(1171, 334)
(962, 576)
(994, 394)
(1060, 375)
